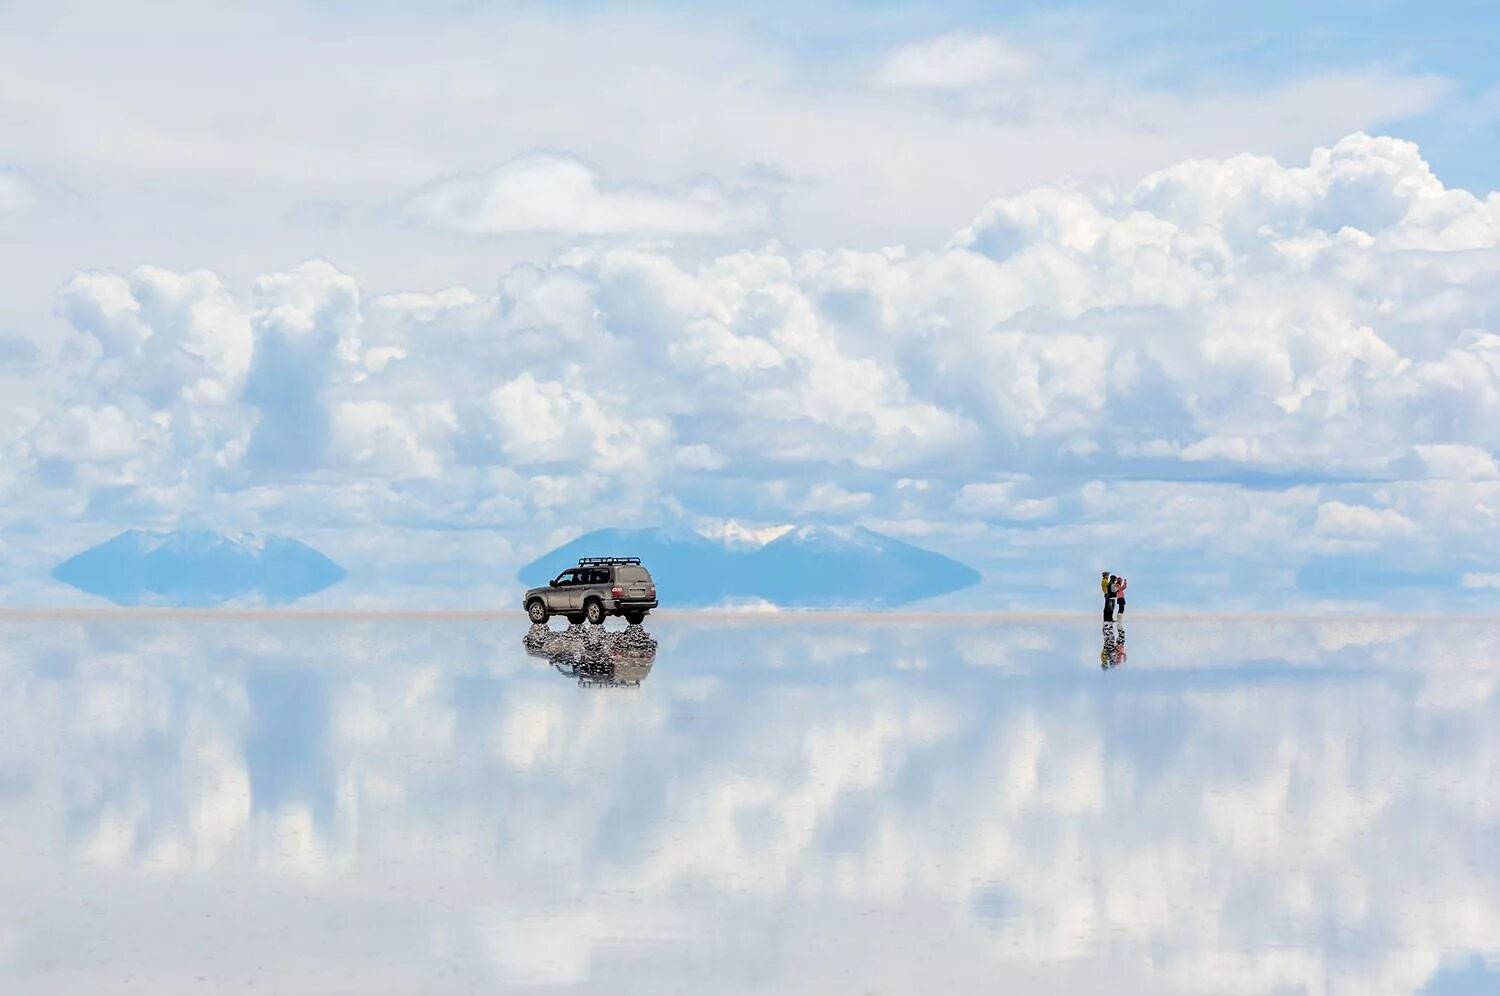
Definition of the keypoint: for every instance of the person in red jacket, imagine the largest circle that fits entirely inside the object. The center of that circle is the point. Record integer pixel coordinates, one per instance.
(1118, 591)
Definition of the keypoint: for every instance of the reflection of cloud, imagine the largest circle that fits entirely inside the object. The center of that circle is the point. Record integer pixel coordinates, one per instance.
(527, 729)
(1250, 807)
(549, 949)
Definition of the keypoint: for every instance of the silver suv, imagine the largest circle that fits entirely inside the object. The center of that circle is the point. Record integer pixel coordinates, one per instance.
(597, 587)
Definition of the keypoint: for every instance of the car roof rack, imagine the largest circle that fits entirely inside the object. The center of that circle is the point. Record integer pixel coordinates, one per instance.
(601, 561)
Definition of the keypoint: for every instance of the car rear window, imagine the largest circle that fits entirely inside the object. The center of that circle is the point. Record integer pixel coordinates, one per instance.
(633, 574)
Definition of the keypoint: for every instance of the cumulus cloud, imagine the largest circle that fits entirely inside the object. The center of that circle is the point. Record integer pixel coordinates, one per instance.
(162, 335)
(88, 435)
(1459, 461)
(825, 496)
(1099, 365)
(553, 192)
(306, 341)
(1002, 500)
(1335, 518)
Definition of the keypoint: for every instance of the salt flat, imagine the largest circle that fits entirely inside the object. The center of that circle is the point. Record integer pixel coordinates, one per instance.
(809, 805)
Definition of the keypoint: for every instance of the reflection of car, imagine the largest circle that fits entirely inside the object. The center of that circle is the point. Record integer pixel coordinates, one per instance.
(598, 659)
(607, 673)
(596, 588)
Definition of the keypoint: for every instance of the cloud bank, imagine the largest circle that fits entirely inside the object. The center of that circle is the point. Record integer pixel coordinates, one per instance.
(1276, 363)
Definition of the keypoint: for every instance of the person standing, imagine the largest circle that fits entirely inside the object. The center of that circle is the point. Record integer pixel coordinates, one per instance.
(1119, 593)
(1107, 585)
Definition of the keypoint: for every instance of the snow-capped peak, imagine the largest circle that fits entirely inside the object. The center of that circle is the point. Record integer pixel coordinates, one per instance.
(737, 535)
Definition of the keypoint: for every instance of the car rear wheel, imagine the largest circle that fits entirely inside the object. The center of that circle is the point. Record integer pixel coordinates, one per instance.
(635, 617)
(536, 610)
(593, 611)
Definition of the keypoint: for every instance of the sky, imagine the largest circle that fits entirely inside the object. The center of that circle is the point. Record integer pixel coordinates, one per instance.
(1202, 294)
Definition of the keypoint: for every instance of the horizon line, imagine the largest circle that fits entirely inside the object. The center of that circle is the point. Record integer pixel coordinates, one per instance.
(727, 616)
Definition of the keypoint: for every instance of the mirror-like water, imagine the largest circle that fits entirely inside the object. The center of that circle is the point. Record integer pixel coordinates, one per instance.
(806, 806)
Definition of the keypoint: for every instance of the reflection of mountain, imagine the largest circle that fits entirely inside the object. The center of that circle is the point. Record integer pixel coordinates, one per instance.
(812, 566)
(199, 568)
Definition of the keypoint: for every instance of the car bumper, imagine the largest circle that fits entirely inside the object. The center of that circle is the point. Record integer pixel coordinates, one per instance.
(631, 605)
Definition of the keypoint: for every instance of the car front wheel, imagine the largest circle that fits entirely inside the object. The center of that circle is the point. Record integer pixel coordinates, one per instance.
(594, 612)
(536, 610)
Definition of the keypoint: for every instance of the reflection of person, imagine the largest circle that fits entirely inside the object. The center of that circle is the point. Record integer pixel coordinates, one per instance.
(1106, 585)
(1112, 653)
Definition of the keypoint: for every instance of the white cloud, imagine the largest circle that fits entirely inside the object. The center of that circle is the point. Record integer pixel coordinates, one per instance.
(998, 499)
(162, 336)
(1459, 462)
(88, 435)
(1322, 322)
(16, 194)
(825, 496)
(700, 456)
(953, 62)
(402, 442)
(1481, 580)
(552, 192)
(306, 342)
(1337, 519)
(400, 101)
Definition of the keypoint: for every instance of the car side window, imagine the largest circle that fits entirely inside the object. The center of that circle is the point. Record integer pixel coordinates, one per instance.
(599, 576)
(567, 578)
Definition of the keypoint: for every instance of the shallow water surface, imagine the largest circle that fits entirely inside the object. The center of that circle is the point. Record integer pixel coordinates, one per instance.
(793, 806)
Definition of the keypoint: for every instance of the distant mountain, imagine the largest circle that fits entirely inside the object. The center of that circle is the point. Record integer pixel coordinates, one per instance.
(191, 568)
(809, 567)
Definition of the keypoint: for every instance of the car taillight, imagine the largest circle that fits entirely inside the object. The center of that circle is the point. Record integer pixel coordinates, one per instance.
(651, 592)
(617, 592)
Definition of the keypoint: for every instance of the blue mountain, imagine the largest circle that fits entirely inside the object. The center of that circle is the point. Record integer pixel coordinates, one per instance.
(811, 567)
(195, 568)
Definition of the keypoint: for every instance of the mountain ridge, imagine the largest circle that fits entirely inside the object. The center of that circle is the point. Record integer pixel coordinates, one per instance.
(804, 567)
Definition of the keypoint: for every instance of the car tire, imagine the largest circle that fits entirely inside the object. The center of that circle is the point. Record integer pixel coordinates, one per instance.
(593, 611)
(536, 611)
(635, 617)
